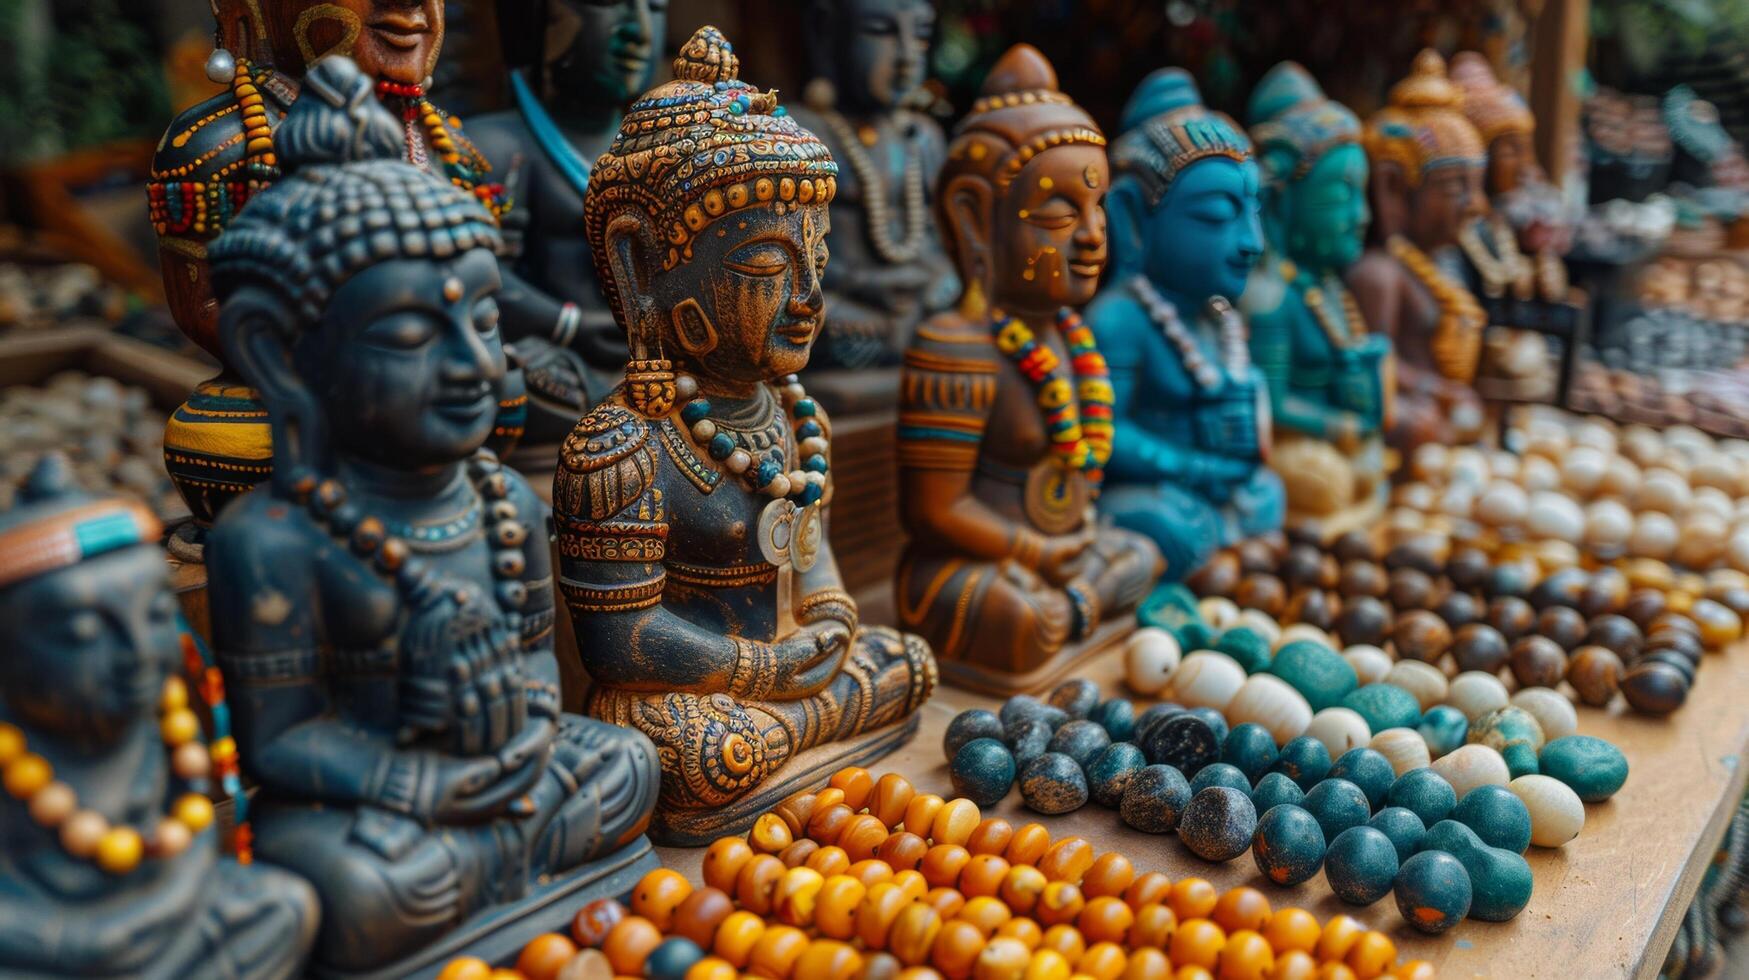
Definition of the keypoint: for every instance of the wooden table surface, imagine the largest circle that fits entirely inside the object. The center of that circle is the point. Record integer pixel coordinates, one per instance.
(1606, 905)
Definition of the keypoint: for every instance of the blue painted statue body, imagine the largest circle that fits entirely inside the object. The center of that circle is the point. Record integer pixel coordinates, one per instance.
(1191, 413)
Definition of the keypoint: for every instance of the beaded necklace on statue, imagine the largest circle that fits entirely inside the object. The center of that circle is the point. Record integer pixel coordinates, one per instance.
(757, 457)
(1235, 356)
(1501, 266)
(462, 164)
(1077, 417)
(915, 220)
(1457, 341)
(1343, 333)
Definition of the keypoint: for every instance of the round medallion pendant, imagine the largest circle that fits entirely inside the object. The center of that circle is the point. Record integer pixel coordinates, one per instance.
(806, 537)
(1056, 498)
(777, 531)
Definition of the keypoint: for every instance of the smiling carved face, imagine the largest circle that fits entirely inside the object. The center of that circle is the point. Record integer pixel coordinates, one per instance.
(392, 40)
(1047, 236)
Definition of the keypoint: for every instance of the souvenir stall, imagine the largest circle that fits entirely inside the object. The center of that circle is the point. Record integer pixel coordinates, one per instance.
(560, 490)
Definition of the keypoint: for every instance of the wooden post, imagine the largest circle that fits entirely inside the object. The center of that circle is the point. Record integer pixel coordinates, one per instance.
(1562, 40)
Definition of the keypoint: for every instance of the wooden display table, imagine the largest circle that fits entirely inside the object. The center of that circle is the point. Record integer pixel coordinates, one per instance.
(1606, 905)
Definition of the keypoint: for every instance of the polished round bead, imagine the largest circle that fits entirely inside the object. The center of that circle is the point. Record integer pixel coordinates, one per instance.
(835, 906)
(914, 932)
(1110, 874)
(685, 387)
(700, 913)
(119, 850)
(777, 486)
(12, 743)
(194, 811)
(1028, 845)
(796, 896)
(920, 813)
(1022, 887)
(796, 855)
(738, 461)
(956, 948)
(734, 941)
(1105, 919)
(81, 832)
(723, 861)
(804, 408)
(991, 837)
(875, 915)
(720, 445)
(943, 864)
(696, 411)
(831, 861)
(903, 850)
(1198, 942)
(53, 804)
(658, 894)
(776, 952)
(813, 446)
(179, 727)
(856, 783)
(769, 834)
(983, 875)
(1193, 898)
(592, 923)
(757, 883)
(1060, 902)
(170, 838)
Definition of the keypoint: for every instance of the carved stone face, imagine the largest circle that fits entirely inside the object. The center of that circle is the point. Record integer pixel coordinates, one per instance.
(604, 51)
(392, 40)
(1448, 196)
(1322, 217)
(89, 644)
(881, 54)
(1512, 163)
(747, 306)
(1046, 241)
(1204, 236)
(408, 364)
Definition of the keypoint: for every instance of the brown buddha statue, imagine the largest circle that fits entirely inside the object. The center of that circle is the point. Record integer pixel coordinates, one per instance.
(1426, 163)
(690, 503)
(1006, 404)
(217, 155)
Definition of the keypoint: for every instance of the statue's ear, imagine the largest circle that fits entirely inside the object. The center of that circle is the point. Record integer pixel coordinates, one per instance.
(621, 241)
(257, 333)
(1387, 190)
(968, 203)
(1125, 213)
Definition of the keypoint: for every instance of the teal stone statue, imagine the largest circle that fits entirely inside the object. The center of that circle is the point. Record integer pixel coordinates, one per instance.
(1191, 419)
(1330, 379)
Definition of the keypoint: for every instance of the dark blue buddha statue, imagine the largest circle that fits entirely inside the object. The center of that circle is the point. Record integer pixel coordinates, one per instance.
(1192, 412)
(383, 610)
(109, 854)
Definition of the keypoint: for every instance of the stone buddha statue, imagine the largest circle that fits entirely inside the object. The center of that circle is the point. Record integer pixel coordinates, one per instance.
(574, 64)
(1005, 413)
(109, 856)
(1330, 384)
(383, 610)
(690, 504)
(888, 272)
(217, 155)
(1426, 165)
(1191, 412)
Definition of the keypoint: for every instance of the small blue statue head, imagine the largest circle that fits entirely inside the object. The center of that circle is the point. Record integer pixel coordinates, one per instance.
(1184, 203)
(1314, 170)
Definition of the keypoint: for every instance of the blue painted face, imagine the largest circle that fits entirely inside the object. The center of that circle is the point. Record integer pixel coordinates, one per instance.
(1324, 217)
(1205, 236)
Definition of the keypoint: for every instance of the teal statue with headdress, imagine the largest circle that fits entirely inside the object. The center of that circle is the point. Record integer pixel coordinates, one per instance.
(1191, 417)
(1329, 377)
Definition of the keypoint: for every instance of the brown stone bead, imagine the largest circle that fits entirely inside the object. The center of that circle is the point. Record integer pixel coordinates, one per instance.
(1300, 566)
(1067, 860)
(942, 865)
(699, 915)
(1719, 625)
(1595, 673)
(1419, 554)
(1029, 844)
(1459, 609)
(1562, 624)
(1354, 546)
(1732, 597)
(1261, 590)
(796, 811)
(1561, 588)
(1468, 568)
(1512, 616)
(1682, 641)
(1421, 635)
(1410, 588)
(892, 794)
(831, 861)
(1312, 606)
(1618, 633)
(592, 923)
(857, 784)
(1364, 619)
(1654, 688)
(769, 834)
(828, 822)
(1109, 874)
(983, 875)
(1671, 620)
(723, 861)
(1254, 557)
(1683, 665)
(1363, 578)
(991, 837)
(1606, 592)
(861, 835)
(757, 883)
(1218, 576)
(1645, 605)
(956, 949)
(1479, 646)
(1149, 887)
(797, 854)
(1153, 927)
(1538, 661)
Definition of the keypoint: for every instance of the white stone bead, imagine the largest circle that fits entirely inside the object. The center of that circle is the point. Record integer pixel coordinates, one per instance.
(1207, 679)
(1404, 748)
(1262, 624)
(1551, 709)
(1475, 693)
(703, 430)
(1425, 681)
(1340, 729)
(1469, 766)
(1150, 656)
(738, 461)
(779, 486)
(1370, 663)
(1220, 612)
(1556, 812)
(685, 387)
(1503, 504)
(1553, 514)
(1271, 702)
(812, 445)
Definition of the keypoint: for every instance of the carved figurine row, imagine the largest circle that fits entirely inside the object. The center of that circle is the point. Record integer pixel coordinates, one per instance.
(384, 602)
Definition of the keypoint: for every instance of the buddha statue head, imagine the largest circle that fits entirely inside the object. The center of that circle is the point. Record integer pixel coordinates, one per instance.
(361, 288)
(1427, 159)
(1184, 194)
(391, 40)
(707, 220)
(594, 53)
(1020, 198)
(867, 56)
(1506, 126)
(86, 609)
(1314, 170)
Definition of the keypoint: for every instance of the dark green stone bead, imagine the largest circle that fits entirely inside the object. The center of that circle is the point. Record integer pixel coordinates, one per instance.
(1217, 722)
(1497, 816)
(1316, 671)
(672, 958)
(1110, 774)
(982, 771)
(1220, 774)
(1384, 706)
(1027, 740)
(1433, 891)
(1053, 783)
(1288, 845)
(1275, 789)
(1360, 865)
(1339, 805)
(1243, 644)
(695, 411)
(1080, 740)
(1594, 768)
(1443, 728)
(1500, 881)
(1077, 697)
(1155, 799)
(804, 408)
(1118, 717)
(1251, 749)
(721, 445)
(1305, 760)
(967, 725)
(1403, 827)
(1367, 769)
(1424, 793)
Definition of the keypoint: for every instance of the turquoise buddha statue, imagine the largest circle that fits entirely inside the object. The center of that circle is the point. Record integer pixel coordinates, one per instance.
(1191, 414)
(1330, 379)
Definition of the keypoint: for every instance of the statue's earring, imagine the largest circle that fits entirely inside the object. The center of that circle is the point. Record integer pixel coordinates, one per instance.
(820, 94)
(693, 329)
(650, 382)
(221, 67)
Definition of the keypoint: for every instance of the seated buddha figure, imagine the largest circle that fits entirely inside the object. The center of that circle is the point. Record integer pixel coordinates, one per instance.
(1005, 413)
(574, 64)
(218, 154)
(888, 272)
(382, 609)
(1329, 378)
(1191, 413)
(109, 852)
(1426, 162)
(690, 503)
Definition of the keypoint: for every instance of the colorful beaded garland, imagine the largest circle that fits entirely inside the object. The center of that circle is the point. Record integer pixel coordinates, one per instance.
(1078, 418)
(465, 167)
(1457, 341)
(804, 485)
